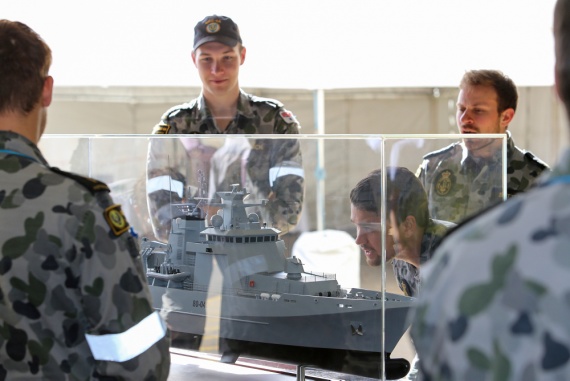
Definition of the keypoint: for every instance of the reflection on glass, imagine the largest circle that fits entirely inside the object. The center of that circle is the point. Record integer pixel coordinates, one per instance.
(226, 277)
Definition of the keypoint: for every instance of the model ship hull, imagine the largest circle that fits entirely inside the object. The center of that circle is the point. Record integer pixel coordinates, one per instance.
(336, 334)
(230, 287)
(320, 322)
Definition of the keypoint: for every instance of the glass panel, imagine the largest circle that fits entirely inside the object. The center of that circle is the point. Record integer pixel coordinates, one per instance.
(307, 297)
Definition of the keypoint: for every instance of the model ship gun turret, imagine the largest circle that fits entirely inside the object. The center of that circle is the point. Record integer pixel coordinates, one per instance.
(271, 306)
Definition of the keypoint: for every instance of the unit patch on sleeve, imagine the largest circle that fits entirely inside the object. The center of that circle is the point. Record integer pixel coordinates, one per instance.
(116, 219)
(288, 116)
(161, 129)
(444, 181)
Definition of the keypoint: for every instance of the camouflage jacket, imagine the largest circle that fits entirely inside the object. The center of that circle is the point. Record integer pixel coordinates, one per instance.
(495, 297)
(459, 185)
(271, 169)
(69, 268)
(408, 275)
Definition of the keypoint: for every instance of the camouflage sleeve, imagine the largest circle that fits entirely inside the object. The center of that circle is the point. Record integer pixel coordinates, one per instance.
(284, 122)
(114, 290)
(165, 182)
(276, 167)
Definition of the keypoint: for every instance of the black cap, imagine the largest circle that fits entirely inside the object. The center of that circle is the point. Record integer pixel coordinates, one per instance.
(216, 28)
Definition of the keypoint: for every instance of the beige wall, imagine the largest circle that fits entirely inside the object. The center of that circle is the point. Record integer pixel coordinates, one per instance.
(539, 124)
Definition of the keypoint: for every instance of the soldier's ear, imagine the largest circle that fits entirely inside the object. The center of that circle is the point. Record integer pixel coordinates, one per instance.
(242, 55)
(47, 91)
(506, 117)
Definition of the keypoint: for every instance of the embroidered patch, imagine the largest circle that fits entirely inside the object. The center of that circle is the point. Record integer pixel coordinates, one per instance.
(116, 219)
(444, 182)
(161, 129)
(213, 27)
(288, 117)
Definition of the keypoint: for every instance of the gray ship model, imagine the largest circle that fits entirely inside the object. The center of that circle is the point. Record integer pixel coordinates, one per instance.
(271, 306)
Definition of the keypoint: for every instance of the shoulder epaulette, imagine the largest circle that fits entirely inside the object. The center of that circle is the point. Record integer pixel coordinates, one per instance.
(272, 102)
(92, 185)
(440, 151)
(537, 161)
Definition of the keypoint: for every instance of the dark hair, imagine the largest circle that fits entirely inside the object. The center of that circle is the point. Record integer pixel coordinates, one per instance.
(405, 194)
(507, 95)
(25, 60)
(561, 28)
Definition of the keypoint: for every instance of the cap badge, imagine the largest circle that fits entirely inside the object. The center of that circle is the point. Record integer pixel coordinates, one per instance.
(213, 27)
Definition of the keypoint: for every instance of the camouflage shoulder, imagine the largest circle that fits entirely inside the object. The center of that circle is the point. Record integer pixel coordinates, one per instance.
(174, 110)
(534, 159)
(164, 127)
(442, 151)
(269, 101)
(92, 185)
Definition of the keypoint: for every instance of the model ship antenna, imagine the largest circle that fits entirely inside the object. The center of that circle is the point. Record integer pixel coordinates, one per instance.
(170, 193)
(201, 191)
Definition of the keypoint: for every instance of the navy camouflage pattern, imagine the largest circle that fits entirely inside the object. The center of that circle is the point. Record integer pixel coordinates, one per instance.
(65, 270)
(495, 297)
(196, 162)
(459, 185)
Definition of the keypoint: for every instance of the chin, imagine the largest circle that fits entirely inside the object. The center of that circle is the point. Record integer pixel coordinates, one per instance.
(376, 261)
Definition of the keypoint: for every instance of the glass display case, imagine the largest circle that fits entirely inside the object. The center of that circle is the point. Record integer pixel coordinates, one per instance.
(251, 246)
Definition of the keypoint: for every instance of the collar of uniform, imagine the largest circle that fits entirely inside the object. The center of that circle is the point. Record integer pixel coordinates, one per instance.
(243, 106)
(10, 140)
(202, 108)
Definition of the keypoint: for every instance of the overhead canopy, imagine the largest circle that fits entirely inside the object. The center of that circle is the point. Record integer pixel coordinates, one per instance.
(297, 43)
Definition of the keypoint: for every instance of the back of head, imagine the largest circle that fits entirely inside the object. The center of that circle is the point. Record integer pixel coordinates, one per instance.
(561, 29)
(405, 194)
(25, 60)
(505, 88)
(216, 28)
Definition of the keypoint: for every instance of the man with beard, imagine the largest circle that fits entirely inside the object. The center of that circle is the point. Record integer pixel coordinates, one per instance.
(466, 177)
(411, 235)
(494, 302)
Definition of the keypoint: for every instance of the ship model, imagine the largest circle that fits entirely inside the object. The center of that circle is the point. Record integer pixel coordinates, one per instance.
(271, 306)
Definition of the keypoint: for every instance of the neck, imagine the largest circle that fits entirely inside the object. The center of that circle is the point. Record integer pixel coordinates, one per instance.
(410, 250)
(28, 125)
(222, 107)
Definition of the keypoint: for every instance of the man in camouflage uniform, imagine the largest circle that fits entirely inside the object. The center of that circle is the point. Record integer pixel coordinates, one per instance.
(466, 177)
(494, 302)
(269, 169)
(410, 234)
(74, 301)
